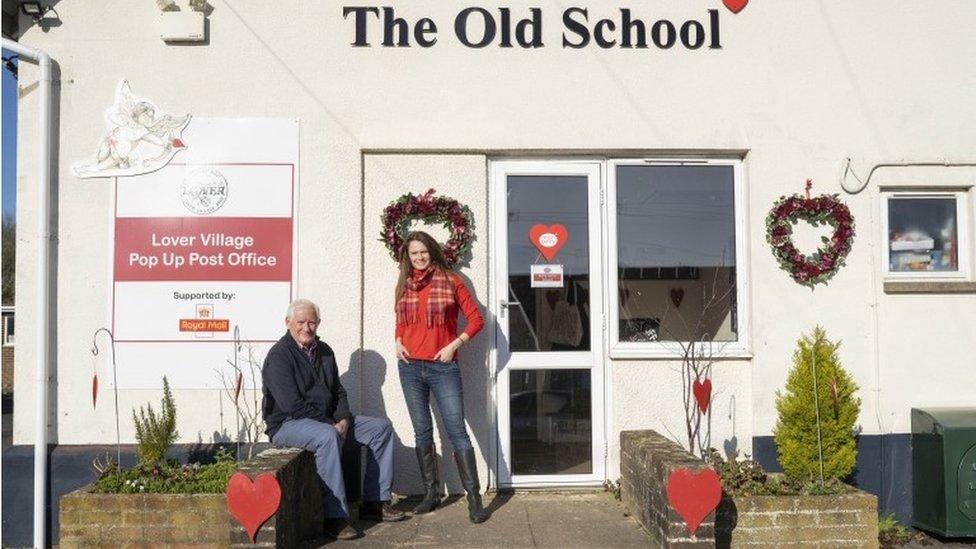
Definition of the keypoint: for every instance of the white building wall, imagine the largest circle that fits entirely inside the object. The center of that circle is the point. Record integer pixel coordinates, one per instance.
(796, 88)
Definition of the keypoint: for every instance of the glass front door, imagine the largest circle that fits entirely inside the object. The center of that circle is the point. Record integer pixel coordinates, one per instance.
(549, 309)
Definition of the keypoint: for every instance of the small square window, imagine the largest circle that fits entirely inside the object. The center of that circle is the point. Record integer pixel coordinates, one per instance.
(925, 235)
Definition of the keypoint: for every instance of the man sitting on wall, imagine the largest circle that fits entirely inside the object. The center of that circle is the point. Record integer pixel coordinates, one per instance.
(305, 406)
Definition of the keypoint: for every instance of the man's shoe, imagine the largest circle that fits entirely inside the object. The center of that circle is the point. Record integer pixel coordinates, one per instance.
(380, 511)
(341, 529)
(427, 458)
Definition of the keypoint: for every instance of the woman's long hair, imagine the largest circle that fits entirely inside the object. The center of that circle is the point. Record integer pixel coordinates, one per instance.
(406, 269)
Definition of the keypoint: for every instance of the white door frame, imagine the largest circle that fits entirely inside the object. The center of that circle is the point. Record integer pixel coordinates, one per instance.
(501, 361)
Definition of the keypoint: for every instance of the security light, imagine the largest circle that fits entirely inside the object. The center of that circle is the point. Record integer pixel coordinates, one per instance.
(32, 9)
(167, 5)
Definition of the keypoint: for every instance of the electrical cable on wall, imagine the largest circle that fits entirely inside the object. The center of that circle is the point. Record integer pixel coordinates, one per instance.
(922, 164)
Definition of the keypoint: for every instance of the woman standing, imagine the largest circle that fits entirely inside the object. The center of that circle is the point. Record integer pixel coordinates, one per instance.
(428, 298)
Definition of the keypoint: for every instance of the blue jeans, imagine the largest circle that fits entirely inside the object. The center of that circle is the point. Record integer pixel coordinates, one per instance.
(324, 441)
(420, 378)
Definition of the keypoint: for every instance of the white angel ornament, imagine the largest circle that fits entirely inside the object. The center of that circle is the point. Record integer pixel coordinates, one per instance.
(140, 138)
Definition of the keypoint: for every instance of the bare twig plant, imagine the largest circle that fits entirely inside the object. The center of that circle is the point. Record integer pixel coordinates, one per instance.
(697, 351)
(246, 400)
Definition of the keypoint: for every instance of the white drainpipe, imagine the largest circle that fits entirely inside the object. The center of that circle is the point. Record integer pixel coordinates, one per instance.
(43, 61)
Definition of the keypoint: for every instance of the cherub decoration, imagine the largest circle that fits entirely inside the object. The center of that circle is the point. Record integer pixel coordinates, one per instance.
(140, 138)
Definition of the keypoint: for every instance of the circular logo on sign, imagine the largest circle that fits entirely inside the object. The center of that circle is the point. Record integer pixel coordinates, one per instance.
(204, 191)
(548, 240)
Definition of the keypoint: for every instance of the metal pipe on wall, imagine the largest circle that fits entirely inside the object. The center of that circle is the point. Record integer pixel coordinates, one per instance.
(43, 61)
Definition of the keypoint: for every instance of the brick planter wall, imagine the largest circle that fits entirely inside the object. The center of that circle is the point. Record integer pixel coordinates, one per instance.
(646, 461)
(845, 520)
(197, 520)
(113, 520)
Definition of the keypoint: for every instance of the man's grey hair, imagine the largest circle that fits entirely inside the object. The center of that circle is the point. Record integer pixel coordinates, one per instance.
(299, 304)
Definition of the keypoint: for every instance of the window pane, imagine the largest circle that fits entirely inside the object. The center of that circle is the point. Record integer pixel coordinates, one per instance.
(676, 253)
(550, 422)
(922, 234)
(548, 319)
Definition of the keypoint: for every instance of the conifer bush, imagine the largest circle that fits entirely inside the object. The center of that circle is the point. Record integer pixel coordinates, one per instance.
(796, 428)
(156, 433)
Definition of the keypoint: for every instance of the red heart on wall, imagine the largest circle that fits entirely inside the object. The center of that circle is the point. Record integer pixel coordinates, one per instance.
(694, 495)
(735, 6)
(548, 240)
(703, 393)
(253, 503)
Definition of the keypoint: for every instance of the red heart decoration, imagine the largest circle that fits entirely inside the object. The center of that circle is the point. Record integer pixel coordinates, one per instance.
(548, 240)
(735, 6)
(703, 393)
(677, 296)
(178, 143)
(252, 503)
(694, 495)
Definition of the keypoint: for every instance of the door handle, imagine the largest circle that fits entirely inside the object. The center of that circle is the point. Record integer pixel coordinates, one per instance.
(504, 305)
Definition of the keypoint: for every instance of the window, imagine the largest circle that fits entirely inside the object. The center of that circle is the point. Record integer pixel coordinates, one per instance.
(675, 245)
(8, 329)
(925, 235)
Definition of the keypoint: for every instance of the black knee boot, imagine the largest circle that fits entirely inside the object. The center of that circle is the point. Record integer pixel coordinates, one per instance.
(468, 471)
(427, 457)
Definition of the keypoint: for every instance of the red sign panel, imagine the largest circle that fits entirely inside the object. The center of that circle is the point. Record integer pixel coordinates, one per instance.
(201, 248)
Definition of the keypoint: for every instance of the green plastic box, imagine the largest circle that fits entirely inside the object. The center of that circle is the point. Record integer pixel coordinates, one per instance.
(944, 470)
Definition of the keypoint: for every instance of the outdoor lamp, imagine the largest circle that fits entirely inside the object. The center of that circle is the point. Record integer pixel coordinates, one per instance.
(32, 9)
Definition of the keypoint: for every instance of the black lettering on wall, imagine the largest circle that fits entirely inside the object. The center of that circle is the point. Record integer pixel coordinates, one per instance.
(461, 27)
(574, 26)
(360, 18)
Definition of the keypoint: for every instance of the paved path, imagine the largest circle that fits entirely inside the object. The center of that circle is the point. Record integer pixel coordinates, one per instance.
(527, 519)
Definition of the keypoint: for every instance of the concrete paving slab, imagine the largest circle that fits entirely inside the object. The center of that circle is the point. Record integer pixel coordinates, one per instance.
(526, 519)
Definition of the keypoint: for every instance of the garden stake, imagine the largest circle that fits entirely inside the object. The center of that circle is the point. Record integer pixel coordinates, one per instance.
(115, 390)
(816, 407)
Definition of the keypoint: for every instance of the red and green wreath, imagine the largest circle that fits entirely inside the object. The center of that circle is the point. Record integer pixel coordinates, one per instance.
(821, 210)
(451, 214)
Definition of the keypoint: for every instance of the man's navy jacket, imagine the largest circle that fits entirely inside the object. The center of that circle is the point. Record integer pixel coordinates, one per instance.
(295, 388)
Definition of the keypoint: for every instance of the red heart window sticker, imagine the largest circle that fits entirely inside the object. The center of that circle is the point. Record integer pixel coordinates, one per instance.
(548, 240)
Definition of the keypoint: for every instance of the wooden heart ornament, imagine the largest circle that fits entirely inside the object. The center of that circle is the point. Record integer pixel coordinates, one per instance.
(735, 6)
(548, 240)
(253, 503)
(703, 393)
(694, 495)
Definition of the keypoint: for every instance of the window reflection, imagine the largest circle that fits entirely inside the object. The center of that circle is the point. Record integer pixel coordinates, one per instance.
(922, 234)
(548, 319)
(551, 422)
(676, 253)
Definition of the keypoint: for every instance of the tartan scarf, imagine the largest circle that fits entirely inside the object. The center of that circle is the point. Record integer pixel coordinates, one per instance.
(441, 296)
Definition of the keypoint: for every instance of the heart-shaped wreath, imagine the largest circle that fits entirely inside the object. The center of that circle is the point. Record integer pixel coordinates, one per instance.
(454, 216)
(821, 210)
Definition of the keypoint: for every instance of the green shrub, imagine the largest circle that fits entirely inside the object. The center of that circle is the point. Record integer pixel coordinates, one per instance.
(891, 533)
(746, 477)
(796, 427)
(169, 477)
(155, 434)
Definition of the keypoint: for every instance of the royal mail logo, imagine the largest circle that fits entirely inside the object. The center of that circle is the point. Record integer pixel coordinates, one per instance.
(204, 325)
